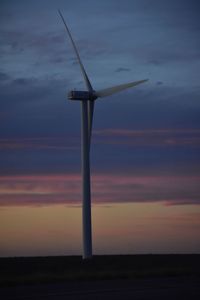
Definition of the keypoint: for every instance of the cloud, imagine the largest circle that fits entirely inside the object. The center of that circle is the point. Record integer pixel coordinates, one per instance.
(106, 188)
(122, 70)
(146, 137)
(159, 39)
(150, 137)
(4, 76)
(40, 128)
(162, 56)
(40, 143)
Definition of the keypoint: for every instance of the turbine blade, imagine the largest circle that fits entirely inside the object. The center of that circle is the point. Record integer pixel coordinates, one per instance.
(118, 88)
(88, 84)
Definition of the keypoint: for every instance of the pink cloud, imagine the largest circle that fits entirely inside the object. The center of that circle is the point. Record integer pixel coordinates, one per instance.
(106, 188)
(159, 137)
(39, 143)
(144, 132)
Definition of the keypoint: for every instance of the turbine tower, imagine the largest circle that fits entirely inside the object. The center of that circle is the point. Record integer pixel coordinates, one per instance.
(87, 99)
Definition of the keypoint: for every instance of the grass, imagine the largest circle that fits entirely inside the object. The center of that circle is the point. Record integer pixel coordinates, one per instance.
(32, 270)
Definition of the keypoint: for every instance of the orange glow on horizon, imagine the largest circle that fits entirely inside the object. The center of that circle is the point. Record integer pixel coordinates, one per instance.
(41, 215)
(117, 229)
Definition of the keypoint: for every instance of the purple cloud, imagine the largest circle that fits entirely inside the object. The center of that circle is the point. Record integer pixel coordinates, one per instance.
(106, 188)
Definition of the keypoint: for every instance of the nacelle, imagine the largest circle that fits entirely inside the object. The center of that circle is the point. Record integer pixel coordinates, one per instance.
(81, 95)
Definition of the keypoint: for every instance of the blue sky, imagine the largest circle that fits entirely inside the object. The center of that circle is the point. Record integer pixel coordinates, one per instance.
(151, 129)
(145, 145)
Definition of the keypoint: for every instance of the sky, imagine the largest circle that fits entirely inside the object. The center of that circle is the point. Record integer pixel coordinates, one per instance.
(145, 161)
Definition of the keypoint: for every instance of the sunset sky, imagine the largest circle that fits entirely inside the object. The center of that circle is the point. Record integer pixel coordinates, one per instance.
(145, 155)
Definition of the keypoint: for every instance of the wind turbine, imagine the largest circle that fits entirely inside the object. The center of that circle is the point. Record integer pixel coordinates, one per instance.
(87, 99)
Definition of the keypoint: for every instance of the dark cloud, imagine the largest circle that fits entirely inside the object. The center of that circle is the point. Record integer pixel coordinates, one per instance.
(23, 81)
(37, 109)
(122, 70)
(173, 56)
(4, 76)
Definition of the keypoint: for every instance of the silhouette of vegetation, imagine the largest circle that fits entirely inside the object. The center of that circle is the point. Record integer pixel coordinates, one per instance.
(30, 270)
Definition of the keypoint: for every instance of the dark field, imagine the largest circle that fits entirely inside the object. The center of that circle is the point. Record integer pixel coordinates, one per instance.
(34, 270)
